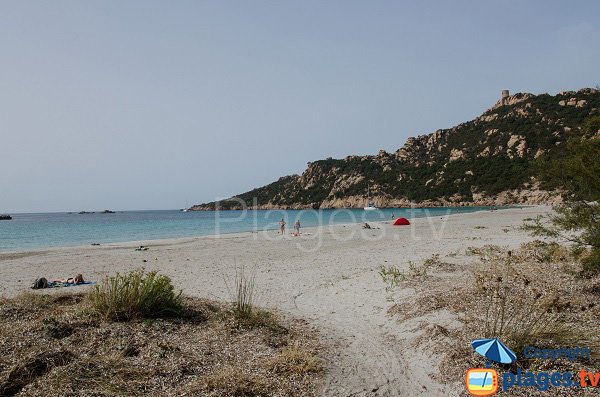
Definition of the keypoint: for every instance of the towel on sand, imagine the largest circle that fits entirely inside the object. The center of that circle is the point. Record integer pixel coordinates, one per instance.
(59, 284)
(42, 282)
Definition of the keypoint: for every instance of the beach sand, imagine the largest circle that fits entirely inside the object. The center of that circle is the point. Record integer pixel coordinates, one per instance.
(328, 276)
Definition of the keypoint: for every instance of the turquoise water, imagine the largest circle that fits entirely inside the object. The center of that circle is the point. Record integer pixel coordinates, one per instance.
(33, 231)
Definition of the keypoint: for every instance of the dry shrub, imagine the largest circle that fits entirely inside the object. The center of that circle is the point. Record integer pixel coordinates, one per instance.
(487, 252)
(509, 309)
(512, 302)
(392, 276)
(418, 307)
(294, 359)
(435, 263)
(432, 334)
(542, 252)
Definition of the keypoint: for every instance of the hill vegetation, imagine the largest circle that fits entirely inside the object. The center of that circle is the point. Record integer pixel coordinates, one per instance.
(577, 173)
(489, 160)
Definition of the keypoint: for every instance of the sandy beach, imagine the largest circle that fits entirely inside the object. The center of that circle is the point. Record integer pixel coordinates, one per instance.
(327, 276)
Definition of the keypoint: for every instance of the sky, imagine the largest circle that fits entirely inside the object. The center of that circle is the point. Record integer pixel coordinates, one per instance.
(129, 105)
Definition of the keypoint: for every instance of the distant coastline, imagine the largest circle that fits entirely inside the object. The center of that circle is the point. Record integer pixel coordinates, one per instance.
(517, 198)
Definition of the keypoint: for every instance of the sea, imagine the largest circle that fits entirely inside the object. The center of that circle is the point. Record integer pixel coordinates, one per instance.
(44, 230)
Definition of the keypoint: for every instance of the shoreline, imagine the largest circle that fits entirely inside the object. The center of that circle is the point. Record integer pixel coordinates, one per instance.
(176, 240)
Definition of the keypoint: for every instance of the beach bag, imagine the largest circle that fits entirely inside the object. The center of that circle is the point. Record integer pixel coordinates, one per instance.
(40, 283)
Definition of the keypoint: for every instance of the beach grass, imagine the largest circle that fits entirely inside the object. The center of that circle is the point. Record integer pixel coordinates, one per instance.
(136, 294)
(244, 293)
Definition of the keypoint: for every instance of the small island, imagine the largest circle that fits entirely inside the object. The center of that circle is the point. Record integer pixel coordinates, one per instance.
(4, 217)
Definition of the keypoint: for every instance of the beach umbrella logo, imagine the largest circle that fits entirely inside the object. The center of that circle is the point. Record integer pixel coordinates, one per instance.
(494, 350)
(484, 381)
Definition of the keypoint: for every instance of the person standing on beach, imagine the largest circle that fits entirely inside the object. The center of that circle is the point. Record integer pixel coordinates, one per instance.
(297, 227)
(282, 226)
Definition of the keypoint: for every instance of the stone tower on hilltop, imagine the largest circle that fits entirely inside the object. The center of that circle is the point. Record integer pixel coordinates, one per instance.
(504, 97)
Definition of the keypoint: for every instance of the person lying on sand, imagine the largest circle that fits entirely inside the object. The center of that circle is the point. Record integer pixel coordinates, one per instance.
(367, 226)
(44, 283)
(71, 280)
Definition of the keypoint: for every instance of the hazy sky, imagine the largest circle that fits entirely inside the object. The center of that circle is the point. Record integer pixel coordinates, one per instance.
(163, 104)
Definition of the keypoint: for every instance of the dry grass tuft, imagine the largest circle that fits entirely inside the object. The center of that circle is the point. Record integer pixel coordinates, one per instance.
(235, 381)
(487, 252)
(244, 296)
(516, 300)
(422, 305)
(543, 252)
(295, 359)
(393, 277)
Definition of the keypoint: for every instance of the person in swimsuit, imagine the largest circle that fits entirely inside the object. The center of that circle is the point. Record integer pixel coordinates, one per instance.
(297, 227)
(71, 280)
(282, 226)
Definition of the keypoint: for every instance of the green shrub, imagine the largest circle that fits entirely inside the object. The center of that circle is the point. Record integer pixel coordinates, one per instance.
(577, 172)
(136, 295)
(391, 275)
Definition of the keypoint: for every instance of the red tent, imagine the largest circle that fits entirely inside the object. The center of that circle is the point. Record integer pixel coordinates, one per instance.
(401, 222)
